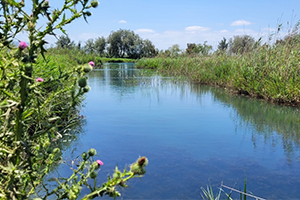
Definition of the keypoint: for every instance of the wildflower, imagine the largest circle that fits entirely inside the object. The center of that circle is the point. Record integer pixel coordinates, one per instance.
(92, 63)
(143, 161)
(139, 166)
(100, 162)
(39, 79)
(22, 45)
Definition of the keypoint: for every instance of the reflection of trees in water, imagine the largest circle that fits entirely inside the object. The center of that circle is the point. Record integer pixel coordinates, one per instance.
(269, 120)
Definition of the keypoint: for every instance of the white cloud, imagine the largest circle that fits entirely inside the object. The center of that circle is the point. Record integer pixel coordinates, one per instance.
(240, 23)
(122, 22)
(196, 29)
(223, 31)
(138, 31)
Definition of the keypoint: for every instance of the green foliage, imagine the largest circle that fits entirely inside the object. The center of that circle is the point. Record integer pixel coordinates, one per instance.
(175, 50)
(198, 49)
(99, 45)
(267, 72)
(127, 44)
(40, 97)
(223, 45)
(64, 42)
(241, 44)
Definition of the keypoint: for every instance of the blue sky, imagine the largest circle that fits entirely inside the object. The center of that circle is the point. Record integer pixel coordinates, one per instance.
(168, 22)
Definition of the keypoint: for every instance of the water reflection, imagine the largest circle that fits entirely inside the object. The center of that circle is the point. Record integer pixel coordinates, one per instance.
(272, 122)
(193, 135)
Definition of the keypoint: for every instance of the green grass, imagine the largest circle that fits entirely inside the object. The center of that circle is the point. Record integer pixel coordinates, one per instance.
(76, 57)
(270, 73)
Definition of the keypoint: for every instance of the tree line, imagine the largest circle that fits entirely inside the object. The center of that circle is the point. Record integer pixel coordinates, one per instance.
(127, 44)
(119, 44)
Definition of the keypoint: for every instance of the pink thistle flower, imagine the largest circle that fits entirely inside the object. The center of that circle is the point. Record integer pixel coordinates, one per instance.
(39, 79)
(100, 162)
(92, 63)
(22, 45)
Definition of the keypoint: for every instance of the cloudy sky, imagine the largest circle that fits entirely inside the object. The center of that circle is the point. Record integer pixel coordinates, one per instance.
(168, 22)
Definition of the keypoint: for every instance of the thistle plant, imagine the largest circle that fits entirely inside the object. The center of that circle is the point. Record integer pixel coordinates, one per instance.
(38, 105)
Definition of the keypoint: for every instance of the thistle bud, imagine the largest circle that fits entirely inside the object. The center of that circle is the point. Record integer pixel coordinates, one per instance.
(87, 68)
(143, 161)
(94, 3)
(82, 82)
(56, 150)
(88, 13)
(93, 175)
(92, 152)
(137, 169)
(84, 156)
(45, 4)
(86, 88)
(28, 68)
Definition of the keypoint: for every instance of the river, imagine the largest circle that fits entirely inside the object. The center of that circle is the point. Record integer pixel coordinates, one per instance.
(193, 136)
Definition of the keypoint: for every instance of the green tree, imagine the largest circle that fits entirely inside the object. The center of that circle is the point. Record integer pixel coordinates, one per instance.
(190, 48)
(148, 49)
(241, 44)
(200, 49)
(64, 42)
(99, 46)
(89, 46)
(127, 44)
(203, 49)
(175, 50)
(223, 45)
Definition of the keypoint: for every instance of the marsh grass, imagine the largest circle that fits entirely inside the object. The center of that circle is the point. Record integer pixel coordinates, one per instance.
(269, 72)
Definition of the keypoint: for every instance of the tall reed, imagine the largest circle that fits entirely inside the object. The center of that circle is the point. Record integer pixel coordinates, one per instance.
(271, 73)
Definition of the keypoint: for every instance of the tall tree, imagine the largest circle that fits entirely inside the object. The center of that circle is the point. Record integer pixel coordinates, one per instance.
(64, 42)
(148, 49)
(241, 44)
(223, 45)
(200, 49)
(175, 50)
(190, 48)
(89, 46)
(125, 43)
(99, 46)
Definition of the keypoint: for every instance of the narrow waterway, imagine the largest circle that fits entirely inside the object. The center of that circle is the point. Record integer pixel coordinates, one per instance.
(193, 136)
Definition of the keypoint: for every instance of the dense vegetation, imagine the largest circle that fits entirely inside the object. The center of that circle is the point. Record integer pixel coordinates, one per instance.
(243, 65)
(119, 44)
(40, 98)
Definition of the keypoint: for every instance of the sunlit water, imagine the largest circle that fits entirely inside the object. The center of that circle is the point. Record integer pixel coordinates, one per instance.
(193, 136)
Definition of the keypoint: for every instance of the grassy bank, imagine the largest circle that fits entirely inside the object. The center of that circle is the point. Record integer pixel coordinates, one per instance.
(270, 73)
(76, 57)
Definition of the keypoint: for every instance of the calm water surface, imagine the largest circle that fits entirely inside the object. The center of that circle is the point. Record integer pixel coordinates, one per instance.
(193, 136)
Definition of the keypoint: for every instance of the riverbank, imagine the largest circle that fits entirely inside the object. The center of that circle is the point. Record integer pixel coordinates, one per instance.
(76, 57)
(269, 73)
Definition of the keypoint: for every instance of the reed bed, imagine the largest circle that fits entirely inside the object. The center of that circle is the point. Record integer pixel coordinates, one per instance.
(270, 73)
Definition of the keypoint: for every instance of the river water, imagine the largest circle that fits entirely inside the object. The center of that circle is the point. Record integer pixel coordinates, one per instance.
(193, 136)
